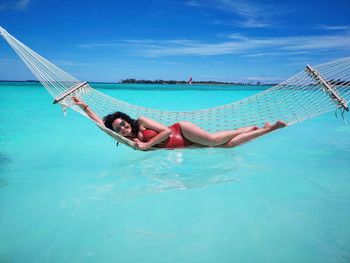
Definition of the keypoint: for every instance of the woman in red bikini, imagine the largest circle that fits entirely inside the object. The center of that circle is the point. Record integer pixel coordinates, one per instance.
(147, 133)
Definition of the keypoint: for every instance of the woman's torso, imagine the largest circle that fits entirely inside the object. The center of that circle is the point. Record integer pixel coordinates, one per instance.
(175, 140)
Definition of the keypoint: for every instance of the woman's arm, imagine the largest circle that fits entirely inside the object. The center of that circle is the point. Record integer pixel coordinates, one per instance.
(88, 111)
(163, 131)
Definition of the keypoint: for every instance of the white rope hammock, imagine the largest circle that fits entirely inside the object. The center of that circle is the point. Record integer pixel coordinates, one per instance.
(316, 90)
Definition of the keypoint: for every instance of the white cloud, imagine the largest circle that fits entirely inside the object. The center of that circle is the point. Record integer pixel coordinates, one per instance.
(22, 4)
(243, 8)
(262, 54)
(97, 45)
(14, 5)
(70, 63)
(252, 23)
(251, 14)
(238, 44)
(193, 3)
(334, 27)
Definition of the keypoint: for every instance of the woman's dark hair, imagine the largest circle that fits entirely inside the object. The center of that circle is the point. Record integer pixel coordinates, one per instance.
(110, 118)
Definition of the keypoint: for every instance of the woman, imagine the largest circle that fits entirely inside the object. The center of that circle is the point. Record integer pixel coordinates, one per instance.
(147, 133)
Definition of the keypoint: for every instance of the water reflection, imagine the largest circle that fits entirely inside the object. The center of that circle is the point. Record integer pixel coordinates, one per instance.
(142, 173)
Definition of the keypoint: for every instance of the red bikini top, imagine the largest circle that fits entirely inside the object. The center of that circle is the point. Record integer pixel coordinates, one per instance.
(149, 134)
(175, 140)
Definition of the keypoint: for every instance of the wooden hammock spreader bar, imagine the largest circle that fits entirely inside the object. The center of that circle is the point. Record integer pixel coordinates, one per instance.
(327, 86)
(69, 91)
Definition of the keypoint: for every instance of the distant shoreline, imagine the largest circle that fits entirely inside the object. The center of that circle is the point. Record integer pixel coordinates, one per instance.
(201, 82)
(164, 82)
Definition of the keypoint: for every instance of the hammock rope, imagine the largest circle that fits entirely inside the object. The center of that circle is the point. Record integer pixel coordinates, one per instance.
(311, 92)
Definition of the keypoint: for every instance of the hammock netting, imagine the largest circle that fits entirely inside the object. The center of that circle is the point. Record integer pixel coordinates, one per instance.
(301, 97)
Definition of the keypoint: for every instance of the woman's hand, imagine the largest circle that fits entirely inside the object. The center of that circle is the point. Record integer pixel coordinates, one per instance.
(80, 103)
(141, 145)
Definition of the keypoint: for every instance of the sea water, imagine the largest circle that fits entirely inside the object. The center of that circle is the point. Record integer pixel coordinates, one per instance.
(69, 194)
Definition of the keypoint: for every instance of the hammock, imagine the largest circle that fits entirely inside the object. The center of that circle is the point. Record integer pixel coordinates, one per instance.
(311, 92)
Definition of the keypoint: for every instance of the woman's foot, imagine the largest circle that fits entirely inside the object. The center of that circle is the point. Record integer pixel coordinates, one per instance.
(278, 125)
(267, 125)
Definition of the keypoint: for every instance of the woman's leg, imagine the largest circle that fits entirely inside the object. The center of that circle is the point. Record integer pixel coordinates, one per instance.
(197, 135)
(247, 129)
(245, 137)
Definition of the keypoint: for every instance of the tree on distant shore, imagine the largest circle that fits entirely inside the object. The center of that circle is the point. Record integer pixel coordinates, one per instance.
(209, 82)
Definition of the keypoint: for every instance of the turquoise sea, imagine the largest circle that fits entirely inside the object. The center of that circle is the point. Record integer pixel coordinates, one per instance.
(69, 194)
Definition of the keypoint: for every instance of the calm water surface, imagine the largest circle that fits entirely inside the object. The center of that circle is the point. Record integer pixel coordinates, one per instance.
(68, 194)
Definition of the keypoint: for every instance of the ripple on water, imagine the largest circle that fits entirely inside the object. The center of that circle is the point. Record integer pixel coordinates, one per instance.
(160, 171)
(4, 160)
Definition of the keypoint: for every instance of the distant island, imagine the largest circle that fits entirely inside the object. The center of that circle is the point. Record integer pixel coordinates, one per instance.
(209, 82)
(160, 81)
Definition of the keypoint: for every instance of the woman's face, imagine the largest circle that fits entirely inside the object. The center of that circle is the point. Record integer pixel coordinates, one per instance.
(122, 127)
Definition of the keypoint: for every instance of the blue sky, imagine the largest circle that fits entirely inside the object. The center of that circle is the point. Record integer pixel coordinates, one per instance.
(223, 40)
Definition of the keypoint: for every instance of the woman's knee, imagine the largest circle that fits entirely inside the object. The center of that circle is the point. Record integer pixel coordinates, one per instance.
(233, 143)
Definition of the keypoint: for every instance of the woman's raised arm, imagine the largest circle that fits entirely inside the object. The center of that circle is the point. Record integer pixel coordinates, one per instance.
(88, 111)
